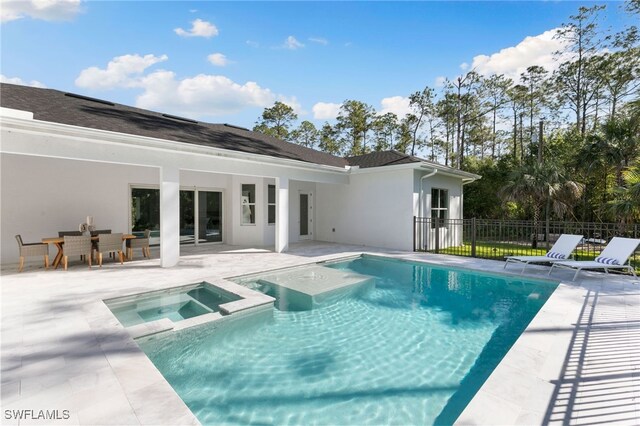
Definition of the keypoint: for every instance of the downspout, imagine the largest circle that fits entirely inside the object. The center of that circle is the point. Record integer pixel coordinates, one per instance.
(421, 198)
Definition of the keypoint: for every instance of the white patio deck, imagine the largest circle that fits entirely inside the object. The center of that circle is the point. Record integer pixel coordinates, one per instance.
(577, 363)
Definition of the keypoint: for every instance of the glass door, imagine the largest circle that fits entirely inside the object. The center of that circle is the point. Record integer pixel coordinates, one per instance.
(209, 216)
(145, 213)
(187, 217)
(306, 215)
(206, 212)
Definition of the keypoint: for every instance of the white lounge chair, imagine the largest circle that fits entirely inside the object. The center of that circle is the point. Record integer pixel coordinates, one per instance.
(614, 256)
(560, 251)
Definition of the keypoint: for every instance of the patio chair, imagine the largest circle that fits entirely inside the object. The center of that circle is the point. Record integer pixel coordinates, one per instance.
(142, 243)
(76, 245)
(561, 250)
(32, 249)
(72, 234)
(614, 256)
(95, 234)
(109, 243)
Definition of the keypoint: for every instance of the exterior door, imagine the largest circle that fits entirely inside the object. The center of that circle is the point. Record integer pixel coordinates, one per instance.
(209, 216)
(306, 215)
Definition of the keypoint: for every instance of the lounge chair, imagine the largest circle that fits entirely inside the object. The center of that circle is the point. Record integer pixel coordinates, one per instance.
(560, 251)
(614, 256)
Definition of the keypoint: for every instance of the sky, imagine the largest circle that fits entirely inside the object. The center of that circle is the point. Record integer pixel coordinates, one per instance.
(224, 62)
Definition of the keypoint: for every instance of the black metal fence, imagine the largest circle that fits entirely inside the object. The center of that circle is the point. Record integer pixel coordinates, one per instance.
(495, 239)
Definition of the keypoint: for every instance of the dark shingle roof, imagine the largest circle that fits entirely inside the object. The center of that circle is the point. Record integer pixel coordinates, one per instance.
(58, 107)
(382, 158)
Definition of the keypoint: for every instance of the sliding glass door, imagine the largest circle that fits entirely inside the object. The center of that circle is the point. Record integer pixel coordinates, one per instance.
(145, 213)
(200, 214)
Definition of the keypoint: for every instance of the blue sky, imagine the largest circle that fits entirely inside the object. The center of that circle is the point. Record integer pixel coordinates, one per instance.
(310, 55)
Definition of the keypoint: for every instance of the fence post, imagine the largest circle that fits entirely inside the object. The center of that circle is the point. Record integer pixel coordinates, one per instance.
(415, 227)
(437, 224)
(473, 237)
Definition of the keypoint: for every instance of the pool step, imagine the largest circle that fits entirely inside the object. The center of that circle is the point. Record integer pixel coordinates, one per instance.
(305, 288)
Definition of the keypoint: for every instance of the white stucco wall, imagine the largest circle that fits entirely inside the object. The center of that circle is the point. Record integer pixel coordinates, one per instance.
(41, 196)
(440, 181)
(375, 209)
(452, 234)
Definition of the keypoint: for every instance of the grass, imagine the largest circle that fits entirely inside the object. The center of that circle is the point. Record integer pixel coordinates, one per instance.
(498, 250)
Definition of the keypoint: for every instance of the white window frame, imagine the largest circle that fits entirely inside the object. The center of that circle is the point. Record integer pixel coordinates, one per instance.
(443, 195)
(242, 204)
(274, 204)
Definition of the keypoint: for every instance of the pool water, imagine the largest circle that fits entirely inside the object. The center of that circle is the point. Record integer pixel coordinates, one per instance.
(411, 349)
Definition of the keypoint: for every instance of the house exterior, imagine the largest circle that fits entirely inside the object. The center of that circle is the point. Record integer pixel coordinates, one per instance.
(64, 157)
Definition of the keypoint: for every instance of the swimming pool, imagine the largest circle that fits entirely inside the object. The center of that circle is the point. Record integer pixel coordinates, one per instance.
(413, 348)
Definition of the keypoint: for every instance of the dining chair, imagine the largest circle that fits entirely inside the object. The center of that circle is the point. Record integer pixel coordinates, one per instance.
(32, 249)
(110, 243)
(95, 234)
(76, 245)
(142, 243)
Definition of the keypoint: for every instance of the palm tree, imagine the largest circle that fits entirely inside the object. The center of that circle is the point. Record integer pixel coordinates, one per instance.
(626, 205)
(539, 185)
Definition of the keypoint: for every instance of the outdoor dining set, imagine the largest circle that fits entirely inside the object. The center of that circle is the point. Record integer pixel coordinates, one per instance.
(87, 245)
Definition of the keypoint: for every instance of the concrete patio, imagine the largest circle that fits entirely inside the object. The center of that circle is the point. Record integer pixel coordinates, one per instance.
(577, 363)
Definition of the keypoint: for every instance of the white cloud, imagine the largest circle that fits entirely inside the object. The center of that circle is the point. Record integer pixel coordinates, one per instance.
(47, 10)
(202, 95)
(120, 72)
(21, 82)
(399, 105)
(198, 96)
(218, 59)
(199, 28)
(325, 110)
(292, 43)
(440, 81)
(319, 40)
(253, 43)
(464, 66)
(512, 61)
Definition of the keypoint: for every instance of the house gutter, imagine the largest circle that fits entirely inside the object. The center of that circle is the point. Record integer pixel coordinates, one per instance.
(421, 198)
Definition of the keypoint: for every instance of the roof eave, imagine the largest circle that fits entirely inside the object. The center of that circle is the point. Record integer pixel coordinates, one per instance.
(157, 143)
(420, 165)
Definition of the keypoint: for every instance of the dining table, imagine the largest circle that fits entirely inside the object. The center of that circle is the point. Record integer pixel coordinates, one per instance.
(59, 243)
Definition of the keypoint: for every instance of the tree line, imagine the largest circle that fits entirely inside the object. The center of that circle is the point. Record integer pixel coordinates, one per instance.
(563, 142)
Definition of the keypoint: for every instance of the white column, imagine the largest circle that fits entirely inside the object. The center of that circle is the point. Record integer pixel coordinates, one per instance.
(169, 216)
(282, 214)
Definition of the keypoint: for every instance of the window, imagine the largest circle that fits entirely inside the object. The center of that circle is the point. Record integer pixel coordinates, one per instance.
(439, 206)
(271, 204)
(248, 202)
